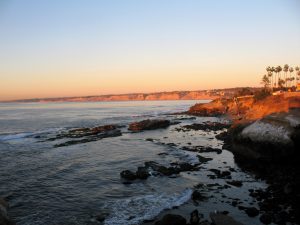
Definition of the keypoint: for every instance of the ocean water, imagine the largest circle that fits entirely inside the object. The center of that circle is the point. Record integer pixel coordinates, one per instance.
(71, 185)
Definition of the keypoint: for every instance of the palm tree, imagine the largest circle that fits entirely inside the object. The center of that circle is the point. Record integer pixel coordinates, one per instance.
(285, 70)
(291, 70)
(281, 83)
(265, 81)
(279, 69)
(297, 69)
(270, 75)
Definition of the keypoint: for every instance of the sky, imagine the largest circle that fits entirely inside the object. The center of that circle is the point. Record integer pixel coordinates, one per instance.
(54, 48)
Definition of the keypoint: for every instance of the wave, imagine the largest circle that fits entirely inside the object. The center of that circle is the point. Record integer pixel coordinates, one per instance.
(16, 136)
(135, 210)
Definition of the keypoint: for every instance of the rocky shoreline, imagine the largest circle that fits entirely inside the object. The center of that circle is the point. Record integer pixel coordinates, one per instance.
(267, 148)
(265, 140)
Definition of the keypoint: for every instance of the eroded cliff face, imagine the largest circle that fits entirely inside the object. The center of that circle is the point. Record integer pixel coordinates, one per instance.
(175, 95)
(246, 108)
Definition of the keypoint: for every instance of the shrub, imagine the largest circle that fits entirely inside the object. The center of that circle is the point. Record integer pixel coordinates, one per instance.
(262, 94)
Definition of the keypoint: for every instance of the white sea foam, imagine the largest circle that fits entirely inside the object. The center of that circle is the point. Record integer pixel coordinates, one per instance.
(294, 121)
(16, 136)
(135, 210)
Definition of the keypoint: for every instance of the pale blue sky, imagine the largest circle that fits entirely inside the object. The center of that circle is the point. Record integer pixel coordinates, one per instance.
(62, 48)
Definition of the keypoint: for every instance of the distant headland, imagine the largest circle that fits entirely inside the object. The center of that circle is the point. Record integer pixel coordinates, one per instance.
(172, 95)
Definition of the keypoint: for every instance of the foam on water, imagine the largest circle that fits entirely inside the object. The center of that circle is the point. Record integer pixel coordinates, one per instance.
(135, 210)
(16, 136)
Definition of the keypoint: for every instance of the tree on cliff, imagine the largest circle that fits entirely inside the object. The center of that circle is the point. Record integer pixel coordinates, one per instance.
(281, 83)
(285, 70)
(265, 81)
(291, 70)
(297, 74)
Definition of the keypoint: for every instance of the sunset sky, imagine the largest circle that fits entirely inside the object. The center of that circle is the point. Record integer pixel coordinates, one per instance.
(51, 48)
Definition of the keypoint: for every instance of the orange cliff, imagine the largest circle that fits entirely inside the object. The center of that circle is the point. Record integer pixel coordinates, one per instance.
(246, 108)
(174, 95)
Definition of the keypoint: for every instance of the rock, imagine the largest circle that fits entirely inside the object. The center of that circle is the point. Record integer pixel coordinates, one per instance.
(236, 183)
(266, 218)
(149, 139)
(90, 136)
(194, 220)
(172, 219)
(4, 218)
(252, 211)
(206, 126)
(142, 173)
(101, 216)
(203, 159)
(148, 125)
(221, 219)
(128, 175)
(198, 196)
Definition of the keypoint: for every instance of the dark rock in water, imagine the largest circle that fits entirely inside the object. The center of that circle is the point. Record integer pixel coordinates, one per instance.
(163, 153)
(202, 149)
(128, 175)
(4, 218)
(236, 183)
(221, 219)
(266, 218)
(203, 159)
(172, 219)
(194, 220)
(89, 137)
(207, 126)
(149, 139)
(101, 216)
(148, 125)
(142, 173)
(198, 196)
(252, 211)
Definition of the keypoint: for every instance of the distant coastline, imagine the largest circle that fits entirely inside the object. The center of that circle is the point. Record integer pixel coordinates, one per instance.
(172, 95)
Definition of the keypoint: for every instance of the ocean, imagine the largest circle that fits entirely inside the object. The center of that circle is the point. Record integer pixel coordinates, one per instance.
(73, 185)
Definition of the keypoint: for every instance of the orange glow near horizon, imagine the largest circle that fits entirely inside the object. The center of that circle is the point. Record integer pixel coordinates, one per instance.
(143, 46)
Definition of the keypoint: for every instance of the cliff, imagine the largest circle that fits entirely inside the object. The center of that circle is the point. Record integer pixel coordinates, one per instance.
(247, 108)
(174, 95)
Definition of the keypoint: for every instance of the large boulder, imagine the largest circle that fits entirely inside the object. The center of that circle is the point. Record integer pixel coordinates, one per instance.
(148, 125)
(273, 137)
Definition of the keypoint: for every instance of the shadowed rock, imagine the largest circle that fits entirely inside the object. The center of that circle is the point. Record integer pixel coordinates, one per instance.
(172, 219)
(222, 219)
(4, 218)
(148, 125)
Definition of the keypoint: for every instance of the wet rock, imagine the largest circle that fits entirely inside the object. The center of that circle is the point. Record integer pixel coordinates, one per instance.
(202, 149)
(163, 153)
(221, 219)
(4, 218)
(221, 174)
(172, 219)
(266, 218)
(207, 126)
(149, 139)
(203, 159)
(90, 137)
(148, 125)
(194, 220)
(198, 196)
(252, 211)
(236, 183)
(142, 173)
(101, 216)
(128, 175)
